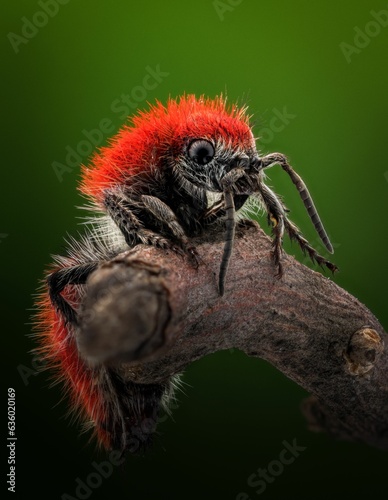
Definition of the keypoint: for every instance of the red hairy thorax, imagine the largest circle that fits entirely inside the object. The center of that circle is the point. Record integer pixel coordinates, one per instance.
(162, 131)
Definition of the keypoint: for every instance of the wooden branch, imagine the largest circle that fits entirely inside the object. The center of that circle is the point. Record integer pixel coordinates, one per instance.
(155, 312)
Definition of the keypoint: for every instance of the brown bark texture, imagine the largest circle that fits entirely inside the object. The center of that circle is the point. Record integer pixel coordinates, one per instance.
(153, 312)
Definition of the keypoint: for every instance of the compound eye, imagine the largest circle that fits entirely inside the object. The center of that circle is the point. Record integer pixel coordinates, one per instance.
(201, 151)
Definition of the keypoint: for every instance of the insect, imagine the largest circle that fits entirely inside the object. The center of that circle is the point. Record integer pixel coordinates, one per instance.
(172, 174)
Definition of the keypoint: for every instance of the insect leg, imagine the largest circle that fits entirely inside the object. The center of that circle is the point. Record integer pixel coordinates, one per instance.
(230, 230)
(277, 215)
(58, 280)
(280, 159)
(294, 234)
(163, 213)
(277, 212)
(123, 211)
(227, 184)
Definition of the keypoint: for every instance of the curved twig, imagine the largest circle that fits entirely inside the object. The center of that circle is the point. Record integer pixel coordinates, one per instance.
(156, 313)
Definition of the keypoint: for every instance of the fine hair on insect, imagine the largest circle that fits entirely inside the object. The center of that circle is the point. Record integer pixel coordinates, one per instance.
(172, 174)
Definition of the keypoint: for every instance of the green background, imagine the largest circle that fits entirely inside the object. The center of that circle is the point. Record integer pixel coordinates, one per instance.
(236, 411)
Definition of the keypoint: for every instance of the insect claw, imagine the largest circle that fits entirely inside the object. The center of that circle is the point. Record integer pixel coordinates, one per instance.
(279, 274)
(175, 248)
(193, 256)
(332, 267)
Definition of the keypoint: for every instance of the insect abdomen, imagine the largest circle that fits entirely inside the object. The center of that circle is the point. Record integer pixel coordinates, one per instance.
(58, 350)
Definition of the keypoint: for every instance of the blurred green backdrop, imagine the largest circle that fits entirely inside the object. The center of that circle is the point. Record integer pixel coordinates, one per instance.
(325, 65)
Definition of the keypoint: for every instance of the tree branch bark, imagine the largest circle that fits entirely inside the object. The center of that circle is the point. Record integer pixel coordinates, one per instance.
(152, 312)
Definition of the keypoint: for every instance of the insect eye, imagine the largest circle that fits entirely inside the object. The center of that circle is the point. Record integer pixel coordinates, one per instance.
(201, 151)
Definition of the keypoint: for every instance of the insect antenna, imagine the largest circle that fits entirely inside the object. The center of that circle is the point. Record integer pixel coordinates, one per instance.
(280, 159)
